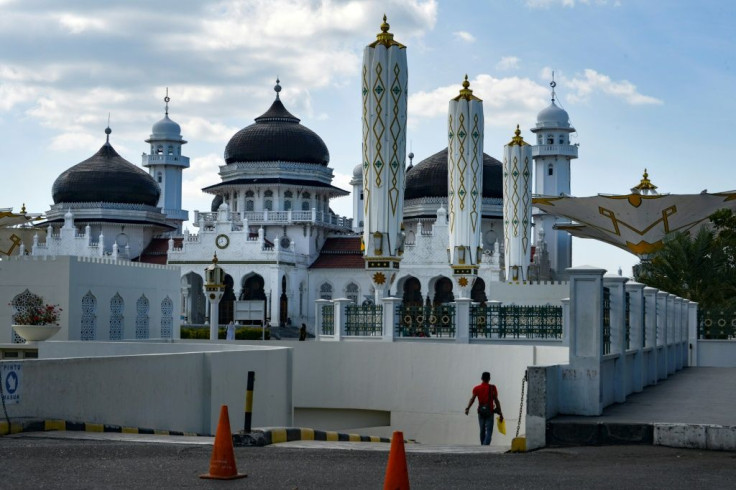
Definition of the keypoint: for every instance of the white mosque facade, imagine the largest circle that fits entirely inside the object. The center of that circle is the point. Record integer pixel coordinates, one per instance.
(273, 232)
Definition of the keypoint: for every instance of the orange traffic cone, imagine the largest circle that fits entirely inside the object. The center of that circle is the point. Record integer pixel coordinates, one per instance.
(397, 474)
(222, 462)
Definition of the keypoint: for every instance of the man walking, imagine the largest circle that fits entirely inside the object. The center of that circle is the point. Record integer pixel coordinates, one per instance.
(488, 404)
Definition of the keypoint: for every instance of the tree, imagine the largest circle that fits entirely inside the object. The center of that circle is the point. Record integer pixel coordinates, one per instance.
(700, 268)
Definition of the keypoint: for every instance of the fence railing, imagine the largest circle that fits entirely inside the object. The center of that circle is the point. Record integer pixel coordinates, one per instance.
(364, 320)
(328, 320)
(627, 320)
(426, 321)
(513, 321)
(717, 324)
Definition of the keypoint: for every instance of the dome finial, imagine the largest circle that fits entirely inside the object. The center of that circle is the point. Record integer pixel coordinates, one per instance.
(107, 129)
(517, 140)
(384, 37)
(553, 84)
(277, 87)
(645, 186)
(167, 99)
(465, 92)
(385, 26)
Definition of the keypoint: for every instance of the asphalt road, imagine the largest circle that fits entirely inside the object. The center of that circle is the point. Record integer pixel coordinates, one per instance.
(37, 462)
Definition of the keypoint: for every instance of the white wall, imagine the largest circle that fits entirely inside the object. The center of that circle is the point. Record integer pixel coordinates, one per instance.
(716, 353)
(529, 294)
(180, 387)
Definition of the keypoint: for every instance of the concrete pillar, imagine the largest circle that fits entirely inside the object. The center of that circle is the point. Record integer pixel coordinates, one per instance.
(650, 335)
(340, 316)
(462, 320)
(692, 329)
(565, 321)
(679, 338)
(213, 298)
(662, 334)
(636, 334)
(616, 286)
(671, 340)
(389, 317)
(581, 380)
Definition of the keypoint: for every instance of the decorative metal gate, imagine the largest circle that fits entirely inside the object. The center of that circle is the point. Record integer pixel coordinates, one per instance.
(364, 320)
(426, 321)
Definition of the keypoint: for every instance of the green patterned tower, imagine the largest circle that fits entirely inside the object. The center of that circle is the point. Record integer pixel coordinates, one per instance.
(384, 149)
(517, 207)
(465, 186)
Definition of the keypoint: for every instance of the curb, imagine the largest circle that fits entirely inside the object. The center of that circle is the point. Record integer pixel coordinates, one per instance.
(288, 434)
(43, 425)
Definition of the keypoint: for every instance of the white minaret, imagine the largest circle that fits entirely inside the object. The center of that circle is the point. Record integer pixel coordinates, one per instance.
(166, 164)
(465, 186)
(357, 183)
(552, 155)
(384, 90)
(517, 207)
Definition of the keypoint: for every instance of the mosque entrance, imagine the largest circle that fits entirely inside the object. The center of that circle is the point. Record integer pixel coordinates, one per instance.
(227, 302)
(412, 292)
(478, 293)
(443, 291)
(194, 309)
(253, 289)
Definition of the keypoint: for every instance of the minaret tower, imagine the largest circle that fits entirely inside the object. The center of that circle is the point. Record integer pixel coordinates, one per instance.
(165, 164)
(384, 90)
(552, 155)
(465, 186)
(517, 207)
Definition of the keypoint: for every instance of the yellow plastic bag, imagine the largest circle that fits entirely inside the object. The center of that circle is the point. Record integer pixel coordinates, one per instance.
(501, 424)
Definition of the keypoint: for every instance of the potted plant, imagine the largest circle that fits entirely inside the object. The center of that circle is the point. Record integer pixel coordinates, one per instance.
(37, 321)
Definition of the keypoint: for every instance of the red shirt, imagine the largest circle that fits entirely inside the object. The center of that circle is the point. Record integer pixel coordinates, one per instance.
(486, 393)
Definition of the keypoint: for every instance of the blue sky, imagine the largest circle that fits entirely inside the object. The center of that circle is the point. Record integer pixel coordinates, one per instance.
(648, 84)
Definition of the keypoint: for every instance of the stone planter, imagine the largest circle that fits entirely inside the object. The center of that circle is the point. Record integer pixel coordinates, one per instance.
(35, 333)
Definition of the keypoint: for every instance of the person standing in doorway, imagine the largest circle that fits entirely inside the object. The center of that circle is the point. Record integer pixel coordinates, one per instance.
(488, 404)
(303, 332)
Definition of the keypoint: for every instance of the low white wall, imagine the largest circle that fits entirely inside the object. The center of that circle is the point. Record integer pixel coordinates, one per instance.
(716, 353)
(425, 387)
(529, 293)
(167, 386)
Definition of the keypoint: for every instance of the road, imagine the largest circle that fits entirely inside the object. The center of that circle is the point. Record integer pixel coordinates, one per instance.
(42, 461)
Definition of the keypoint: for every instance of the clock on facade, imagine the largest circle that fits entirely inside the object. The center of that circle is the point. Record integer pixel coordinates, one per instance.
(222, 241)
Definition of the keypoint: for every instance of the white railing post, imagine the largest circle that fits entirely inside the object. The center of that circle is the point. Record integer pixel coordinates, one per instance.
(671, 340)
(341, 316)
(615, 285)
(679, 337)
(636, 334)
(650, 335)
(389, 317)
(692, 329)
(581, 380)
(462, 320)
(662, 358)
(565, 321)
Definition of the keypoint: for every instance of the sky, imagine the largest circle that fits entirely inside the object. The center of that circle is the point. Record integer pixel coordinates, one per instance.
(647, 83)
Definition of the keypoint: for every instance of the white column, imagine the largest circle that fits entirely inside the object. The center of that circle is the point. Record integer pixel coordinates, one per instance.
(615, 285)
(636, 333)
(340, 316)
(565, 321)
(692, 329)
(662, 357)
(671, 340)
(462, 320)
(389, 317)
(517, 207)
(214, 297)
(650, 335)
(465, 186)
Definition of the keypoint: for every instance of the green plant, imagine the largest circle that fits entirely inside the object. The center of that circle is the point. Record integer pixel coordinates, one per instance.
(241, 333)
(37, 313)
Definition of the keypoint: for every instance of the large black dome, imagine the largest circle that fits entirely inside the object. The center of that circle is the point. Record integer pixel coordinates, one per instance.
(106, 177)
(277, 136)
(428, 178)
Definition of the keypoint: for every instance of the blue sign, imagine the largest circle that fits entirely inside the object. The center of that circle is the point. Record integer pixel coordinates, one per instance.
(10, 377)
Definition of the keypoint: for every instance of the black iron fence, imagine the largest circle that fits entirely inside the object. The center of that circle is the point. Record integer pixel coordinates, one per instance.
(512, 321)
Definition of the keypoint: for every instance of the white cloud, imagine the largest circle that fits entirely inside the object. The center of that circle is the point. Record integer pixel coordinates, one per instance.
(464, 36)
(568, 3)
(508, 63)
(198, 128)
(506, 101)
(202, 172)
(592, 82)
(76, 24)
(14, 94)
(74, 141)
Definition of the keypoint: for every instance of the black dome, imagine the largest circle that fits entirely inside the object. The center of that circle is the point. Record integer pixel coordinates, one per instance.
(428, 178)
(277, 136)
(106, 177)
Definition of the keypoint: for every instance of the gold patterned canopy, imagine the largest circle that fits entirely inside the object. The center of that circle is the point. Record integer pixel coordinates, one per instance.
(12, 231)
(635, 222)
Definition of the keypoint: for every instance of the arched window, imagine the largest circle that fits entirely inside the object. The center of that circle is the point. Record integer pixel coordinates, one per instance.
(562, 140)
(268, 193)
(88, 328)
(117, 306)
(159, 150)
(288, 194)
(550, 139)
(306, 195)
(159, 177)
(141, 317)
(167, 319)
(352, 292)
(325, 291)
(22, 303)
(550, 169)
(287, 205)
(305, 205)
(268, 205)
(171, 150)
(249, 205)
(249, 194)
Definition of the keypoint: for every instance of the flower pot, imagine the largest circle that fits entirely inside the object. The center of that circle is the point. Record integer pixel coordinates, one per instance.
(34, 333)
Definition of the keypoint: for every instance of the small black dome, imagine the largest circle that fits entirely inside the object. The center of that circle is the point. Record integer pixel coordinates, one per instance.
(216, 202)
(277, 136)
(106, 177)
(428, 178)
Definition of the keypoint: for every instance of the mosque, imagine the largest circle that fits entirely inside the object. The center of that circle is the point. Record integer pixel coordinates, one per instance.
(274, 234)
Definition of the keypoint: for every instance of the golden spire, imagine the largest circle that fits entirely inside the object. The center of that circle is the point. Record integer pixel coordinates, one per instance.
(517, 140)
(465, 92)
(384, 37)
(645, 184)
(214, 259)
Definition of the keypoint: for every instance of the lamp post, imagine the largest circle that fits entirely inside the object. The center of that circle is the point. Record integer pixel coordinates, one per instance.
(214, 288)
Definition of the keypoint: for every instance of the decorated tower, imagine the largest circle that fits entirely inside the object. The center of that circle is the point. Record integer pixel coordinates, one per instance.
(517, 207)
(552, 155)
(384, 148)
(465, 186)
(165, 164)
